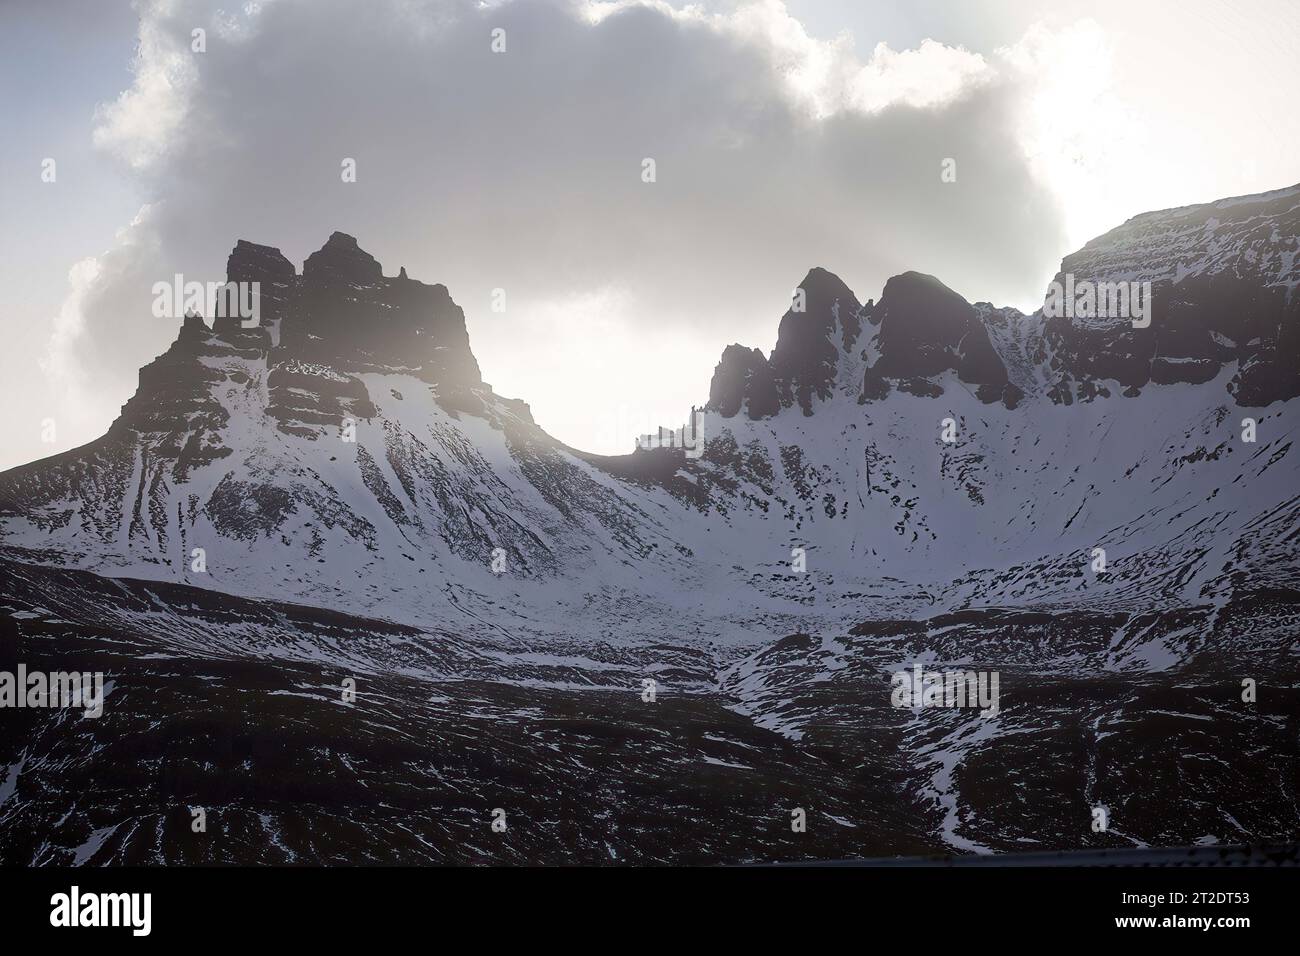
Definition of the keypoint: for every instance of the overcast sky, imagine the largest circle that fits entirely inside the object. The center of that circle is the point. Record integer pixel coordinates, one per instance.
(785, 136)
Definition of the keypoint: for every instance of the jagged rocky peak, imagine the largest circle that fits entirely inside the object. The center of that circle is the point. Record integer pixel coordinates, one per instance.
(1222, 278)
(342, 260)
(273, 276)
(193, 328)
(349, 317)
(822, 289)
(919, 330)
(807, 352)
(924, 329)
(316, 334)
(821, 324)
(251, 262)
(346, 319)
(175, 400)
(742, 381)
(803, 364)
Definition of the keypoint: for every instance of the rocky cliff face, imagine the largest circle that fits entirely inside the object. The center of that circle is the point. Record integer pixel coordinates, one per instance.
(919, 330)
(209, 438)
(924, 329)
(1223, 278)
(819, 328)
(809, 343)
(743, 381)
(348, 316)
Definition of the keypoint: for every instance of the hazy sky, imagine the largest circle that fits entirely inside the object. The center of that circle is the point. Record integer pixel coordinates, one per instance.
(785, 135)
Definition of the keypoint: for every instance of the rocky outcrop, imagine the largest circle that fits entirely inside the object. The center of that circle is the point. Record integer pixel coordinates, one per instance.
(176, 411)
(211, 446)
(1223, 278)
(819, 327)
(742, 381)
(346, 315)
(924, 330)
(276, 281)
(918, 331)
(1222, 281)
(342, 318)
(342, 263)
(806, 356)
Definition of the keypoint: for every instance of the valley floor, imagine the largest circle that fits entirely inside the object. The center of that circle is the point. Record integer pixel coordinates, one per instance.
(238, 708)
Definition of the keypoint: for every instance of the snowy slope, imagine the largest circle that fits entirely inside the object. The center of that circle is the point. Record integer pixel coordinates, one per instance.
(239, 449)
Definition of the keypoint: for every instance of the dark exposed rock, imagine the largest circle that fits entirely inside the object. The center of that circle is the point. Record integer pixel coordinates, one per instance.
(303, 398)
(743, 380)
(348, 317)
(276, 280)
(1264, 378)
(316, 333)
(1119, 352)
(174, 408)
(341, 260)
(927, 329)
(920, 387)
(806, 356)
(804, 362)
(874, 386)
(1222, 278)
(252, 262)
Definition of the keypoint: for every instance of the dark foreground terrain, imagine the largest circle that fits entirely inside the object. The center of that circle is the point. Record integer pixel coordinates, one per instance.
(237, 707)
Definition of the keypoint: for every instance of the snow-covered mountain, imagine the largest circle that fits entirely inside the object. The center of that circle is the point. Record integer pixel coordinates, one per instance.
(235, 443)
(916, 478)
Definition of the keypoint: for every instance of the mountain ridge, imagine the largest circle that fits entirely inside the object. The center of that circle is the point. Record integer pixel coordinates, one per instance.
(1231, 265)
(235, 442)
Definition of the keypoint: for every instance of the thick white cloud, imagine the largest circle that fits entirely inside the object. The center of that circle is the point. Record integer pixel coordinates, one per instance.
(521, 170)
(145, 120)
